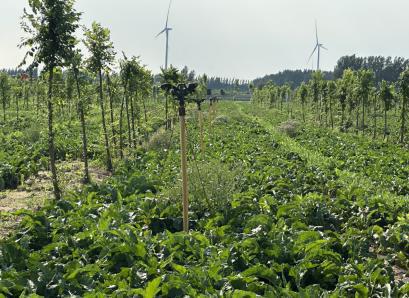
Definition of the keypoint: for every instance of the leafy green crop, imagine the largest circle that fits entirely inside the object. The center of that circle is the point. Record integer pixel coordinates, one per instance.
(290, 230)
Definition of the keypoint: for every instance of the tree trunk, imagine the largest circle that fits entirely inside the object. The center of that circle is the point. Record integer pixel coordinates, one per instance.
(374, 117)
(101, 102)
(51, 149)
(138, 118)
(111, 110)
(331, 114)
(121, 137)
(37, 99)
(25, 97)
(4, 108)
(86, 178)
(385, 128)
(166, 113)
(363, 115)
(403, 120)
(133, 121)
(17, 109)
(127, 117)
(145, 111)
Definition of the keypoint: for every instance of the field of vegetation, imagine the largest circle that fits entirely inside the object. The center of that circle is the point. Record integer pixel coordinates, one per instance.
(300, 192)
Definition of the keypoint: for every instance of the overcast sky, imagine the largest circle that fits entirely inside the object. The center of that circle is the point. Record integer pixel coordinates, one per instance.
(235, 38)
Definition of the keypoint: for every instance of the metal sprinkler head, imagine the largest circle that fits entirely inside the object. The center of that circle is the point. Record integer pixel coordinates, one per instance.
(179, 93)
(199, 102)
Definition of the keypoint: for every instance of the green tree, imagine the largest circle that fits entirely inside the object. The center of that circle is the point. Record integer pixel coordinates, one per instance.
(331, 93)
(111, 90)
(374, 94)
(365, 81)
(5, 88)
(51, 26)
(324, 100)
(341, 94)
(76, 64)
(404, 92)
(386, 95)
(145, 87)
(125, 75)
(97, 40)
(303, 93)
(316, 89)
(349, 86)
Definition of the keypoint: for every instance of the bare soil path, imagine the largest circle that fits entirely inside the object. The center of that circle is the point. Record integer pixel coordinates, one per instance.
(36, 190)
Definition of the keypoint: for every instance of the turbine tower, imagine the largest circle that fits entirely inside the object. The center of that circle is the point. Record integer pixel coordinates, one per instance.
(318, 47)
(166, 30)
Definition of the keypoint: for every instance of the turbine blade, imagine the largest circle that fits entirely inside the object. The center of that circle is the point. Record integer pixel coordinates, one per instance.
(322, 47)
(312, 53)
(160, 33)
(167, 17)
(316, 31)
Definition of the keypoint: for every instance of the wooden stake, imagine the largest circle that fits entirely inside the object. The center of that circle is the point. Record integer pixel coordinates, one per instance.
(185, 191)
(180, 92)
(201, 131)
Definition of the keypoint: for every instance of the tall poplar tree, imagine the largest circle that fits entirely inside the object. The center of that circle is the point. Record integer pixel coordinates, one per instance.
(99, 44)
(50, 26)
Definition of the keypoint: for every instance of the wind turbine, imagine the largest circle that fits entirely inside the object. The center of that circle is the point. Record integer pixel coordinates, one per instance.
(318, 47)
(166, 30)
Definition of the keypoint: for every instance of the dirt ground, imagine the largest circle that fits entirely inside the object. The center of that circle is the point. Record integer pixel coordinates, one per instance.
(34, 192)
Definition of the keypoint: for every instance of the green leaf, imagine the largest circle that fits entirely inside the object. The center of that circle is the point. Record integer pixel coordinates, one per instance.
(5, 285)
(153, 288)
(179, 268)
(243, 294)
(361, 291)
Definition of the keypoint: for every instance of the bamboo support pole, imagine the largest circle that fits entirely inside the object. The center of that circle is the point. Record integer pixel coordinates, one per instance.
(201, 131)
(185, 191)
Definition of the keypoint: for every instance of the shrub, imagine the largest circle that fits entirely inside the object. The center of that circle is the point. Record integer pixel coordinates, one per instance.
(291, 128)
(221, 119)
(160, 140)
(8, 177)
(211, 186)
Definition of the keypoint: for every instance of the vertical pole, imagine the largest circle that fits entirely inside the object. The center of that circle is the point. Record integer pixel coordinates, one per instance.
(210, 110)
(201, 131)
(185, 192)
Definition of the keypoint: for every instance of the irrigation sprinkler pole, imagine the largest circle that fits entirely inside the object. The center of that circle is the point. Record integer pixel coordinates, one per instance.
(199, 102)
(185, 190)
(201, 131)
(180, 92)
(215, 102)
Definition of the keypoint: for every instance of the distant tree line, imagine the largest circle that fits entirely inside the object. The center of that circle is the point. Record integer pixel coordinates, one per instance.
(14, 72)
(294, 78)
(228, 84)
(384, 68)
(214, 83)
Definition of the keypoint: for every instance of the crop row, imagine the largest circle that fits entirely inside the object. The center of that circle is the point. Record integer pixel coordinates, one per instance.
(288, 228)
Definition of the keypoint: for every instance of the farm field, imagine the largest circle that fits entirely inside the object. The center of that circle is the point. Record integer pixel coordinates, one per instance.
(270, 215)
(126, 175)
